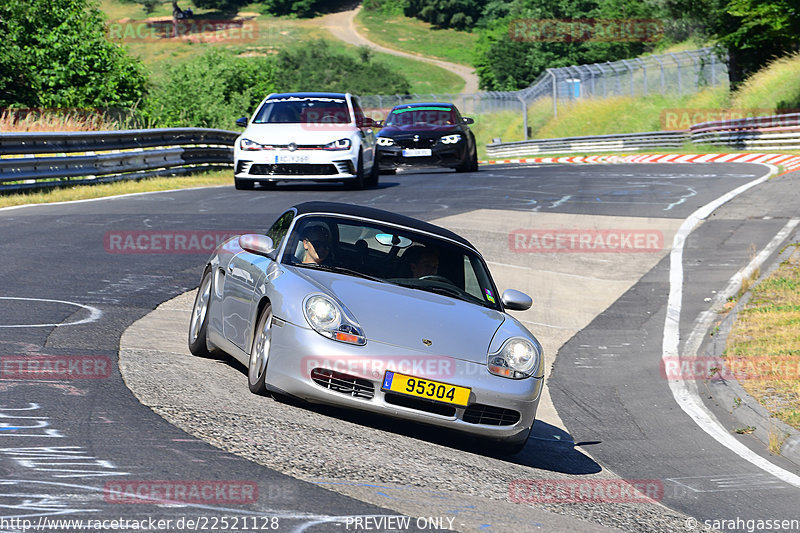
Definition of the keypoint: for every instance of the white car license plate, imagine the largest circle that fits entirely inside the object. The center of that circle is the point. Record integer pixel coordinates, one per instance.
(291, 158)
(416, 152)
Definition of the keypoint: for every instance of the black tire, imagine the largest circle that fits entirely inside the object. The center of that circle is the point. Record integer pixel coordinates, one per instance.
(358, 182)
(243, 185)
(512, 447)
(259, 353)
(198, 324)
(473, 166)
(374, 174)
(389, 171)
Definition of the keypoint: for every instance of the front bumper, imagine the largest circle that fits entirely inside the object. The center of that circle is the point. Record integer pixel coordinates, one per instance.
(442, 155)
(498, 408)
(279, 165)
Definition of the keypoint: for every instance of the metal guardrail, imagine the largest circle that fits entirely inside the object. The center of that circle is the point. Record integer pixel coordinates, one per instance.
(45, 159)
(774, 132)
(594, 143)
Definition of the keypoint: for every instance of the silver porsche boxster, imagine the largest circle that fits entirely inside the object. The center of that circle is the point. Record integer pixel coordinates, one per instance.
(362, 308)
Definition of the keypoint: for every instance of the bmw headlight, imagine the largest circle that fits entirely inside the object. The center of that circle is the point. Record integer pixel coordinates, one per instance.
(328, 319)
(341, 144)
(384, 141)
(450, 139)
(247, 144)
(518, 358)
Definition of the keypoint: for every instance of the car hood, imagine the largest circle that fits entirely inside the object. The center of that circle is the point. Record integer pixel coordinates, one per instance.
(425, 129)
(403, 317)
(297, 133)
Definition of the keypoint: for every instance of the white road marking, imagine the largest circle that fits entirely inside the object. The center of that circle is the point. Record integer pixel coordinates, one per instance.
(94, 313)
(687, 398)
(109, 197)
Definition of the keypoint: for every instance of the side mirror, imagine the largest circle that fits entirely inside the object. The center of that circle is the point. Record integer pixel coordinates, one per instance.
(379, 124)
(241, 122)
(468, 120)
(367, 122)
(515, 300)
(256, 244)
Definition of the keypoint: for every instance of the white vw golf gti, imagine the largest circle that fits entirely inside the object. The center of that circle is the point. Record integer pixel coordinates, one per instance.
(306, 136)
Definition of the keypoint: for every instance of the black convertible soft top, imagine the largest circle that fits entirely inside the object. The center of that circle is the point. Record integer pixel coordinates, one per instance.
(379, 215)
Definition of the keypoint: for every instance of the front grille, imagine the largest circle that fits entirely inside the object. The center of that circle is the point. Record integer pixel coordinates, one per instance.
(420, 405)
(477, 413)
(293, 169)
(410, 143)
(344, 383)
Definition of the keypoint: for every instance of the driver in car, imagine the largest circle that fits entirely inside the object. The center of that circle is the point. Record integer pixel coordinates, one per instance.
(316, 245)
(422, 261)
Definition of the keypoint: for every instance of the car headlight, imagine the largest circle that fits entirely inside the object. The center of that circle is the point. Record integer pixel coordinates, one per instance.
(341, 144)
(384, 141)
(450, 139)
(518, 358)
(328, 319)
(247, 144)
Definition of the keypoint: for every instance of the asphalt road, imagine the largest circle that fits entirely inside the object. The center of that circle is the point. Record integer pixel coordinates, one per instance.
(64, 443)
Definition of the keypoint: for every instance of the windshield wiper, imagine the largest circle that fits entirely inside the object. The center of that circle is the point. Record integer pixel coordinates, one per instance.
(340, 270)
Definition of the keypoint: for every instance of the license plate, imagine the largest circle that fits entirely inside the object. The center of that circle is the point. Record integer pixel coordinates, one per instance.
(416, 152)
(291, 158)
(425, 388)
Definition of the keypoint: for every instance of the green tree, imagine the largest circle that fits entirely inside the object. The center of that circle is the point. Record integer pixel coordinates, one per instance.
(55, 54)
(211, 90)
(762, 30)
(318, 66)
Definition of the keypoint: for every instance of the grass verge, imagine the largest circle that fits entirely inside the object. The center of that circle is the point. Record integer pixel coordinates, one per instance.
(765, 342)
(101, 190)
(417, 37)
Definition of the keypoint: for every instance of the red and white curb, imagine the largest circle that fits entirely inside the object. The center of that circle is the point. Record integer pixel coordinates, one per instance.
(789, 162)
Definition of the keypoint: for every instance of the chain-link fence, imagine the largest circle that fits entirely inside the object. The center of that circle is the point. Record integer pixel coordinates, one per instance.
(674, 73)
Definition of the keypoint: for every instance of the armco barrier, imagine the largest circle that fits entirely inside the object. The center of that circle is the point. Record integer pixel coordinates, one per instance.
(42, 160)
(594, 143)
(774, 132)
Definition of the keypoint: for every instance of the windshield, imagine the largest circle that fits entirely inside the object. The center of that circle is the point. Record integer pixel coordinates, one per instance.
(392, 255)
(430, 115)
(303, 110)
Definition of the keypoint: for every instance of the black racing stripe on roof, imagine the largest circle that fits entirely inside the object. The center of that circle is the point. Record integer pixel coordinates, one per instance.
(381, 215)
